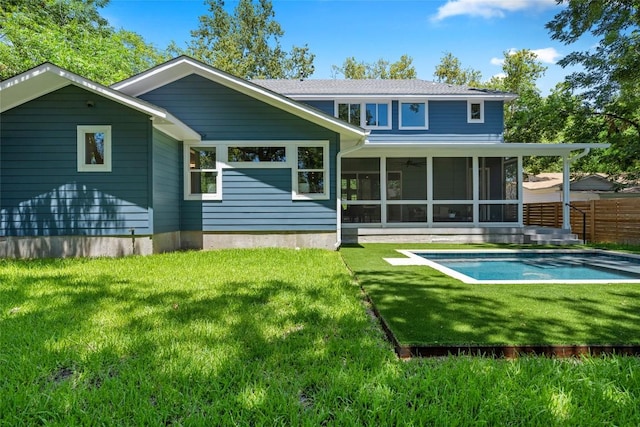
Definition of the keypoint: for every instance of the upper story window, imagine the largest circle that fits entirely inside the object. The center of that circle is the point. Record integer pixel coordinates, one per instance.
(370, 115)
(94, 148)
(414, 115)
(475, 111)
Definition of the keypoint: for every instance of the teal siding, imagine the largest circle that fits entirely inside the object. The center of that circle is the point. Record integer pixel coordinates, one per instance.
(167, 183)
(259, 200)
(42, 192)
(253, 199)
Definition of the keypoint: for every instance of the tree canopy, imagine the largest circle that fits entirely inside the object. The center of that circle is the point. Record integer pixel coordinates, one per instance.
(246, 43)
(609, 80)
(381, 69)
(450, 71)
(73, 35)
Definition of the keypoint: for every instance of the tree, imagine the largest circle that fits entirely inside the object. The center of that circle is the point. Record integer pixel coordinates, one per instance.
(609, 82)
(381, 69)
(450, 71)
(247, 42)
(73, 35)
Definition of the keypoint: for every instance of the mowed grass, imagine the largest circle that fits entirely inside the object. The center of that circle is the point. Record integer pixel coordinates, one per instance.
(257, 337)
(426, 307)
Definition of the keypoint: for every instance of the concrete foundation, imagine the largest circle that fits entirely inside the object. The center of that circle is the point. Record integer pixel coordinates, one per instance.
(322, 240)
(74, 246)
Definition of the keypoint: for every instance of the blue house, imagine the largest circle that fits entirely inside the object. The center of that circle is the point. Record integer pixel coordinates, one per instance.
(185, 156)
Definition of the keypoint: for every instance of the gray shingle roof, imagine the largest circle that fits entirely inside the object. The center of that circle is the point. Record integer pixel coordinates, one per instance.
(382, 87)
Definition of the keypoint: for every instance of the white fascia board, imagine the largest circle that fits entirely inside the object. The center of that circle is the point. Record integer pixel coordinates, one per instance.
(481, 149)
(388, 97)
(184, 66)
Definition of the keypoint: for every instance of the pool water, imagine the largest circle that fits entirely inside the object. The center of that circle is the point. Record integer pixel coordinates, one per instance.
(535, 266)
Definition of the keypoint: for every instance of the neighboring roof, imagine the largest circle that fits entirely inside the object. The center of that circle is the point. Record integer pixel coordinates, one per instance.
(47, 78)
(376, 87)
(550, 180)
(183, 66)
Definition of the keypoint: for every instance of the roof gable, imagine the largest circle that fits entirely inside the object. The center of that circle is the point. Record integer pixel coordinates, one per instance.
(183, 66)
(47, 78)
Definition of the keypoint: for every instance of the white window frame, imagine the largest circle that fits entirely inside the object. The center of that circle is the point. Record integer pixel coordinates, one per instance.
(470, 103)
(222, 163)
(426, 114)
(296, 195)
(187, 172)
(363, 111)
(82, 131)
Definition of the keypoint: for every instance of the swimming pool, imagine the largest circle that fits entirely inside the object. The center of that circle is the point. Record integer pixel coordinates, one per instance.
(528, 266)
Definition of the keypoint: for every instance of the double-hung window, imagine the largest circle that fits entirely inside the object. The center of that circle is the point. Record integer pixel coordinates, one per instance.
(311, 174)
(94, 148)
(369, 115)
(414, 115)
(203, 180)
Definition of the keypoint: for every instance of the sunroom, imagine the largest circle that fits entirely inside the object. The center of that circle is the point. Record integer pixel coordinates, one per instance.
(436, 186)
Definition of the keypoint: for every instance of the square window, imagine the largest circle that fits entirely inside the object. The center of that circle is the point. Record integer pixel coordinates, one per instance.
(350, 113)
(94, 148)
(413, 115)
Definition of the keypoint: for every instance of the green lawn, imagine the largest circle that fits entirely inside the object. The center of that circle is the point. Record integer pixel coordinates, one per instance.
(257, 337)
(425, 307)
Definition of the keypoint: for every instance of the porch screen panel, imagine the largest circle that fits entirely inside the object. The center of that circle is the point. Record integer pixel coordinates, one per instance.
(498, 183)
(452, 178)
(360, 190)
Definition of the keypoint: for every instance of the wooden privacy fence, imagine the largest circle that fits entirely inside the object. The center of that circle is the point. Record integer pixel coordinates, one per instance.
(607, 220)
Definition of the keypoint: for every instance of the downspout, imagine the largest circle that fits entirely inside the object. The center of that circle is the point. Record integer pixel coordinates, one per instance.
(566, 191)
(339, 156)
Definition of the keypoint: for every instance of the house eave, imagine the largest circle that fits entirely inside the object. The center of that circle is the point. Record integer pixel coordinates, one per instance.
(48, 78)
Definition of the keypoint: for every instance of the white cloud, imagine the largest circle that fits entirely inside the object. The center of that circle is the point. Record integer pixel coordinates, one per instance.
(547, 55)
(488, 8)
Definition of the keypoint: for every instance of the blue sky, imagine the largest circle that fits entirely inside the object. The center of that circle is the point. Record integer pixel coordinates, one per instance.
(478, 32)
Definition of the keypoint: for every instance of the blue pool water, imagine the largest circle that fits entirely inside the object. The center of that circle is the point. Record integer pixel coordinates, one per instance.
(522, 266)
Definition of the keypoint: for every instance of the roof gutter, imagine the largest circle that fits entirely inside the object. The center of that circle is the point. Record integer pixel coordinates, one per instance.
(359, 145)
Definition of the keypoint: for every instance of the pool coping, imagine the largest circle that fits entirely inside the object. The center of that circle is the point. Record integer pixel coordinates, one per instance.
(412, 259)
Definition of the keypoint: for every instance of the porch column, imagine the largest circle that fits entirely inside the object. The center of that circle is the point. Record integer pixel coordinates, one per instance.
(566, 195)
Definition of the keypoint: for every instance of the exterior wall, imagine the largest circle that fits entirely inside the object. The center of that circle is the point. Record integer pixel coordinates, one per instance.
(252, 199)
(42, 192)
(167, 183)
(447, 121)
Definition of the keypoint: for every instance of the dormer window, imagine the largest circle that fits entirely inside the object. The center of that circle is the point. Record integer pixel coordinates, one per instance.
(475, 111)
(368, 115)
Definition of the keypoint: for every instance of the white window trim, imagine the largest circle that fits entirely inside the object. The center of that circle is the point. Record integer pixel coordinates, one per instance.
(426, 114)
(363, 111)
(469, 104)
(295, 194)
(222, 163)
(82, 130)
(187, 172)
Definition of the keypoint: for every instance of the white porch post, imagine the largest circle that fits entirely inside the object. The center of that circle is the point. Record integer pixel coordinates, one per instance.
(566, 195)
